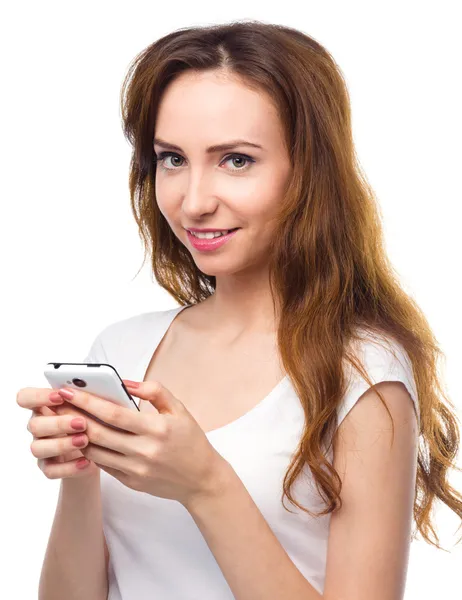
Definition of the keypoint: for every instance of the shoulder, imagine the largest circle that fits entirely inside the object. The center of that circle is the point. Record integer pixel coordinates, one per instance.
(124, 331)
(132, 326)
(380, 352)
(377, 465)
(383, 359)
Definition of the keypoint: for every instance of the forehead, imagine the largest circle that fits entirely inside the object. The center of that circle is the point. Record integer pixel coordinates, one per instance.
(210, 106)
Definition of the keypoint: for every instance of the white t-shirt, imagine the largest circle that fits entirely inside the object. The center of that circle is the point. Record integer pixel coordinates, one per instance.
(156, 549)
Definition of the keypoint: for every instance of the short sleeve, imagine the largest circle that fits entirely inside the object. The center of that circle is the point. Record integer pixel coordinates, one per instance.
(383, 360)
(96, 353)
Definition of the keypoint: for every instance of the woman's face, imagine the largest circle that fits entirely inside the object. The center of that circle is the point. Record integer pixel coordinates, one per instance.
(222, 189)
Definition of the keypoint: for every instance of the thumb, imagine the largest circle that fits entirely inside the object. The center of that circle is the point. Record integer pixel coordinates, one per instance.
(154, 392)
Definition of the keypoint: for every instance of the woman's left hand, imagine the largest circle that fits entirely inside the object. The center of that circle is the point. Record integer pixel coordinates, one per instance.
(164, 453)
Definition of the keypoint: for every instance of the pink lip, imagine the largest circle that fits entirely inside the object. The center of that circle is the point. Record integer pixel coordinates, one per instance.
(212, 244)
(197, 229)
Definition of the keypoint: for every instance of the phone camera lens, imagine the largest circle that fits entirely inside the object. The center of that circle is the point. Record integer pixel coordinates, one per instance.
(79, 382)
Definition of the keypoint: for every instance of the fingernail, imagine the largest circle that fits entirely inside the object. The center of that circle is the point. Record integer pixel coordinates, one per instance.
(133, 384)
(82, 463)
(77, 424)
(56, 398)
(78, 440)
(66, 394)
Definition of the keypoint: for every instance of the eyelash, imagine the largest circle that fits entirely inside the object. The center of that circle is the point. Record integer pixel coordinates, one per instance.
(162, 155)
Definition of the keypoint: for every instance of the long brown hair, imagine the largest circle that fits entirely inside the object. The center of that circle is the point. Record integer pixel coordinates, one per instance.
(329, 272)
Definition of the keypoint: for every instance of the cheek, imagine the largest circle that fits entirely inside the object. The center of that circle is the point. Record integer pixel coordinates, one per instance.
(258, 207)
(265, 194)
(163, 192)
(166, 205)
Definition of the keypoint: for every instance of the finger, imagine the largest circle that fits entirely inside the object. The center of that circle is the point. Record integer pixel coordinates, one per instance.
(113, 472)
(69, 410)
(49, 411)
(107, 411)
(49, 447)
(36, 397)
(39, 412)
(123, 442)
(111, 459)
(41, 426)
(120, 475)
(58, 470)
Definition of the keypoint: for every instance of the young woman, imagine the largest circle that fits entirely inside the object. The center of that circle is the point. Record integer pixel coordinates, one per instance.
(296, 367)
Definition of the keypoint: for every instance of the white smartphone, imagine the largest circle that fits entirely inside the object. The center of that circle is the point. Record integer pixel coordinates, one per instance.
(100, 379)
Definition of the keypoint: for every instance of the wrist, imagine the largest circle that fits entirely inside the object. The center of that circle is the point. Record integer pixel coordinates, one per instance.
(219, 483)
(83, 479)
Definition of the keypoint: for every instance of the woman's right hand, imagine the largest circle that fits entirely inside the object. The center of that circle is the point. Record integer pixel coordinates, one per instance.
(54, 434)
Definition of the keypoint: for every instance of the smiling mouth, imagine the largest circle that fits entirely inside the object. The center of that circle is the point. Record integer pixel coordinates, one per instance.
(211, 242)
(222, 232)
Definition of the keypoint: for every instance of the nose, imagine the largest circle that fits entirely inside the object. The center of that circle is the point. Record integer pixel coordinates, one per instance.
(198, 197)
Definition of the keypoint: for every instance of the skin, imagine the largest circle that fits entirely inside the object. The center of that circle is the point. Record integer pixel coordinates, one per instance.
(369, 537)
(54, 431)
(220, 191)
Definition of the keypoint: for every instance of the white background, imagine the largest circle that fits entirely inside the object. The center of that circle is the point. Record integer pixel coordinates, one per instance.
(69, 246)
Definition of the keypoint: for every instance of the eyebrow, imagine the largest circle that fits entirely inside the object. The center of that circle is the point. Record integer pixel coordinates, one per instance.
(217, 148)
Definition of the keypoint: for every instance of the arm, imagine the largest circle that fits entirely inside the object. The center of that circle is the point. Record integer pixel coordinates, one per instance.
(76, 559)
(370, 535)
(254, 563)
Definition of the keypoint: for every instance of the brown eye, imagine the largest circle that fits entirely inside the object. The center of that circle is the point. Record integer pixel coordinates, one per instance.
(239, 157)
(162, 156)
